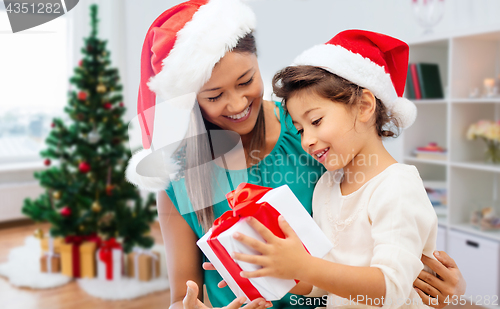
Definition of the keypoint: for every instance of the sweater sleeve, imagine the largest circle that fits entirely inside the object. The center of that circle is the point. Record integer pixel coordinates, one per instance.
(404, 225)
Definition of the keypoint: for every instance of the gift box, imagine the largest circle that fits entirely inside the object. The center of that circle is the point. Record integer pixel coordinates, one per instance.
(110, 260)
(74, 261)
(143, 265)
(51, 242)
(265, 205)
(50, 263)
(87, 259)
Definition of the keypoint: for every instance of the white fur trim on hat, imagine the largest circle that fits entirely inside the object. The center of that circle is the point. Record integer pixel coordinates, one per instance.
(213, 31)
(159, 179)
(363, 72)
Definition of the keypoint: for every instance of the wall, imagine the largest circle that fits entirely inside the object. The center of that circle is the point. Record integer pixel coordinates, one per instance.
(287, 27)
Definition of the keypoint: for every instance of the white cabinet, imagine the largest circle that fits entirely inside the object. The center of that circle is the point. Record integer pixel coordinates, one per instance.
(464, 60)
(478, 260)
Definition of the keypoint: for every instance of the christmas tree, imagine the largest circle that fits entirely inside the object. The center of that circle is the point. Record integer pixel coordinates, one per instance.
(86, 192)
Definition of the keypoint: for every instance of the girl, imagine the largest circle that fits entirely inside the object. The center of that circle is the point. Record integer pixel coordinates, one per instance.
(344, 97)
(207, 47)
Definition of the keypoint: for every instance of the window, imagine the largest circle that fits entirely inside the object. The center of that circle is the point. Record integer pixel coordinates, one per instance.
(33, 86)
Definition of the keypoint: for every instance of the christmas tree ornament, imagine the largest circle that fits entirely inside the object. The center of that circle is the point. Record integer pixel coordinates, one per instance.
(82, 96)
(93, 136)
(38, 233)
(101, 88)
(121, 104)
(106, 218)
(105, 119)
(84, 167)
(109, 189)
(56, 195)
(107, 105)
(66, 211)
(80, 63)
(46, 162)
(82, 227)
(52, 125)
(96, 207)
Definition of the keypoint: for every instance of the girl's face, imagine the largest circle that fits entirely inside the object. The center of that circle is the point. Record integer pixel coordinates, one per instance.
(232, 98)
(326, 129)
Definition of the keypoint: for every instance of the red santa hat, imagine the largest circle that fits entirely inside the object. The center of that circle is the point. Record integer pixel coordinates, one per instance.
(180, 50)
(371, 60)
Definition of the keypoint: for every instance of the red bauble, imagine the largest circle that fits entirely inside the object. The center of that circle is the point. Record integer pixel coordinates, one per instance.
(82, 96)
(84, 167)
(46, 162)
(66, 211)
(52, 125)
(107, 105)
(109, 189)
(80, 63)
(121, 104)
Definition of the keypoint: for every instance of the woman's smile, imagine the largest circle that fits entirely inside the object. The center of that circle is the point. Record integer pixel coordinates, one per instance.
(244, 115)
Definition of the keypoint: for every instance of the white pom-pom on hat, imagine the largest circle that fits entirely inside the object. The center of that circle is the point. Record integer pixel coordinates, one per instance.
(405, 112)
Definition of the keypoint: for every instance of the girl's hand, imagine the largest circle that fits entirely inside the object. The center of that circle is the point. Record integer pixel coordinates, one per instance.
(447, 283)
(191, 300)
(280, 258)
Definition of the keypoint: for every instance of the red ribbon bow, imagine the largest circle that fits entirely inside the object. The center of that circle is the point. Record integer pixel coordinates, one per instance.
(106, 255)
(75, 242)
(243, 202)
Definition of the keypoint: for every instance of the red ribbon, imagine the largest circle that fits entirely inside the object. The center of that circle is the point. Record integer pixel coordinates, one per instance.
(76, 241)
(106, 255)
(243, 204)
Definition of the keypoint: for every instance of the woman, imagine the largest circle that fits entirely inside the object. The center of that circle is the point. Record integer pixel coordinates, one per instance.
(207, 47)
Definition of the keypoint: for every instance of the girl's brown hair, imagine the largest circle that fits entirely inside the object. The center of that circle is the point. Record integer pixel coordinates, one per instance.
(199, 177)
(290, 80)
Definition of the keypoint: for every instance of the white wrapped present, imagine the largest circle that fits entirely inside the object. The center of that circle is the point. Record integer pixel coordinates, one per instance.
(218, 246)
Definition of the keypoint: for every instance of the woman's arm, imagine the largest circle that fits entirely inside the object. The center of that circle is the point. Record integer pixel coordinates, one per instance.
(184, 261)
(183, 256)
(448, 282)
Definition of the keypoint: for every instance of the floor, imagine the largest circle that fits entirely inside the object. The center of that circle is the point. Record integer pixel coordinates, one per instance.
(67, 296)
(70, 295)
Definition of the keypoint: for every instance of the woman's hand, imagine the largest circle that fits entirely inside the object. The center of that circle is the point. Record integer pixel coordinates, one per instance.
(210, 266)
(191, 300)
(447, 283)
(280, 258)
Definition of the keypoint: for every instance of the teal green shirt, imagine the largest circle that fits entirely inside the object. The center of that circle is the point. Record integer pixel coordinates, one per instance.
(286, 164)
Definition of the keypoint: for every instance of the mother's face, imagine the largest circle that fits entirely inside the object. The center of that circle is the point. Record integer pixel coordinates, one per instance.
(232, 98)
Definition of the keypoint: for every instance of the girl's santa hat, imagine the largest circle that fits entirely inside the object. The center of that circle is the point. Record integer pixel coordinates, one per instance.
(180, 50)
(371, 60)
